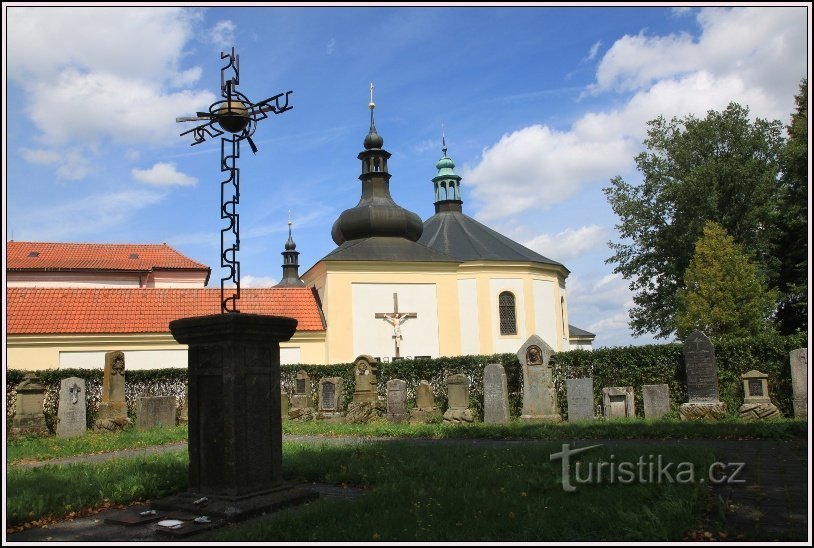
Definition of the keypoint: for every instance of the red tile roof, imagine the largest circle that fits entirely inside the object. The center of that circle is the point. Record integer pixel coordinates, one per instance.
(69, 256)
(35, 310)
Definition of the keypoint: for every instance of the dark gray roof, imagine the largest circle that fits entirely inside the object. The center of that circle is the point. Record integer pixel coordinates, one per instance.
(464, 238)
(581, 333)
(380, 248)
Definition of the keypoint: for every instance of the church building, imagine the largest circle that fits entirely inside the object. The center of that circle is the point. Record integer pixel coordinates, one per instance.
(394, 288)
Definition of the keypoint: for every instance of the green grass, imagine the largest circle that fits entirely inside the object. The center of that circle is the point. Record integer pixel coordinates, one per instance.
(600, 428)
(37, 448)
(56, 491)
(463, 493)
(416, 493)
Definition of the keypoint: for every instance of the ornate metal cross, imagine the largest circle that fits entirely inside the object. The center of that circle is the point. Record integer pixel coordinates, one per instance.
(233, 119)
(395, 319)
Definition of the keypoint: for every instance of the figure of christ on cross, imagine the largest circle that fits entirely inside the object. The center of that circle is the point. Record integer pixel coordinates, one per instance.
(395, 319)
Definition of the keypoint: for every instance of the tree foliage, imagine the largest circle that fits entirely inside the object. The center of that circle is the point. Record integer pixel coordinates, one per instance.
(723, 294)
(792, 244)
(724, 168)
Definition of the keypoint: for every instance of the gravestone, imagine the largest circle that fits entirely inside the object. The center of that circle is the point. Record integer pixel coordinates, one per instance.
(458, 400)
(539, 396)
(424, 403)
(29, 416)
(656, 400)
(397, 400)
(183, 409)
(155, 412)
(702, 380)
(235, 432)
(495, 394)
(365, 405)
(330, 397)
(72, 410)
(617, 401)
(302, 401)
(757, 405)
(580, 395)
(112, 413)
(285, 405)
(799, 381)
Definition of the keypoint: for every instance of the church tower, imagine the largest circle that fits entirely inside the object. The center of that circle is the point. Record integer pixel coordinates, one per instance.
(291, 267)
(447, 183)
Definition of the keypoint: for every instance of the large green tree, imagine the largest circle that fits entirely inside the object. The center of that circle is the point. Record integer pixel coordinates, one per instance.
(723, 294)
(725, 168)
(792, 244)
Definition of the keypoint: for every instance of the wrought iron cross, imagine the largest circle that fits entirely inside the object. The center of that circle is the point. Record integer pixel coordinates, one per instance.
(395, 319)
(233, 119)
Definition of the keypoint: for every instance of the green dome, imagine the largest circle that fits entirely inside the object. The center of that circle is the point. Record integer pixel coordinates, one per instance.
(445, 163)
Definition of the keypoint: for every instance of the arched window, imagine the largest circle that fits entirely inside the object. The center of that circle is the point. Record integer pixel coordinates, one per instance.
(508, 317)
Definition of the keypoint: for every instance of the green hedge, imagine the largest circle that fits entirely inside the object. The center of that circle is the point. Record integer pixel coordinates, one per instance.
(150, 382)
(618, 366)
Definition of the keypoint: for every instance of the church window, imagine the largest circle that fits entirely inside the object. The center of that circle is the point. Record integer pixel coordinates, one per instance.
(508, 316)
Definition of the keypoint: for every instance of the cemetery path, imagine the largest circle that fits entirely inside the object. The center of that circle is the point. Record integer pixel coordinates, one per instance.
(770, 504)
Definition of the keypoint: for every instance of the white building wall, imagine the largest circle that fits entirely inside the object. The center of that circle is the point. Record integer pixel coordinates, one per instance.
(374, 336)
(468, 308)
(545, 312)
(507, 343)
(289, 355)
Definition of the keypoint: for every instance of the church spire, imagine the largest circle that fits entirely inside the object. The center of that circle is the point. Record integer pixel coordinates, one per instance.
(446, 182)
(376, 214)
(291, 275)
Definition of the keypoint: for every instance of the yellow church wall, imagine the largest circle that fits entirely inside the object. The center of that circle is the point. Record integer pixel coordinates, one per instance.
(38, 352)
(523, 274)
(337, 279)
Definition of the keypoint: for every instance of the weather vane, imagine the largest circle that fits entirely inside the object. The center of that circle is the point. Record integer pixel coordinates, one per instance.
(233, 119)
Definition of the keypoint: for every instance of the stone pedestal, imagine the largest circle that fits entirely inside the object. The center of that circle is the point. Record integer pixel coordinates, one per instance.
(702, 411)
(757, 405)
(235, 430)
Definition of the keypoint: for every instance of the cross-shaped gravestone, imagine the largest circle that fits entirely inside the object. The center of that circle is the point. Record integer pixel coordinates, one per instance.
(395, 319)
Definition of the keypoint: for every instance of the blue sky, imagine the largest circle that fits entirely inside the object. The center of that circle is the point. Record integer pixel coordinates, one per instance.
(542, 106)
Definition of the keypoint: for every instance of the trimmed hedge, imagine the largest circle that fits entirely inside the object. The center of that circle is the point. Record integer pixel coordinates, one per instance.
(617, 366)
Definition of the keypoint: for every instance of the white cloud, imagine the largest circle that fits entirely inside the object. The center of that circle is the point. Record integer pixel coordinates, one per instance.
(544, 167)
(92, 215)
(681, 11)
(761, 47)
(222, 34)
(331, 47)
(257, 281)
(569, 243)
(594, 50)
(71, 164)
(163, 174)
(93, 76)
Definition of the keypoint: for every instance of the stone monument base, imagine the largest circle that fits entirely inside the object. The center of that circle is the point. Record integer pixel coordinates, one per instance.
(221, 508)
(301, 414)
(459, 415)
(551, 418)
(28, 424)
(397, 417)
(702, 411)
(363, 411)
(421, 416)
(759, 412)
(111, 410)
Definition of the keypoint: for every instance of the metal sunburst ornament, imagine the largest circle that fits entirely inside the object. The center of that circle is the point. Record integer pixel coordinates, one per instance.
(233, 119)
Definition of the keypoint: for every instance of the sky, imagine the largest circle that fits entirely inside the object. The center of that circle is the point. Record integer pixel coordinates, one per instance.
(541, 107)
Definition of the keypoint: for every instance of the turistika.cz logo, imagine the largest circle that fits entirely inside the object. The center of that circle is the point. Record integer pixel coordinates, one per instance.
(649, 469)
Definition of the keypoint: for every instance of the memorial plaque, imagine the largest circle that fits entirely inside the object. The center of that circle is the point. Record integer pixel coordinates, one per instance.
(755, 387)
(300, 386)
(328, 396)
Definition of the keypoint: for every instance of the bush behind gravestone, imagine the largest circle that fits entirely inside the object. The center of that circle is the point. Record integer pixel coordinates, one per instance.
(616, 366)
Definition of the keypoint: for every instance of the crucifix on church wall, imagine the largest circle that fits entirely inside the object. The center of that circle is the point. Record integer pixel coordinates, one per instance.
(395, 319)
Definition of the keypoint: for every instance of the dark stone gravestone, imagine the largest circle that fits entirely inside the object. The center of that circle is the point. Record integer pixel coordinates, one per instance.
(702, 380)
